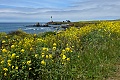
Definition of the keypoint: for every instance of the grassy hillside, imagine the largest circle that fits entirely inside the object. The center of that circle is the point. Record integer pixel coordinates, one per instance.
(90, 52)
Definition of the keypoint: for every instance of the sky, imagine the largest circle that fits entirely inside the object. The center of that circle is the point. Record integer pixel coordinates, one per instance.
(60, 10)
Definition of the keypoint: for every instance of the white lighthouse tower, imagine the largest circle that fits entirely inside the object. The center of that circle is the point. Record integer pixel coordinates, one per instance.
(51, 19)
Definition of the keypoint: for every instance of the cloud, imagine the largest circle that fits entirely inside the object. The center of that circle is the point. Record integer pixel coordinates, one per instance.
(74, 10)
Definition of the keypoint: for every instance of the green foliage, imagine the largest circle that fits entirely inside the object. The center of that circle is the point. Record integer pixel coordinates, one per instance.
(87, 53)
(48, 34)
(19, 33)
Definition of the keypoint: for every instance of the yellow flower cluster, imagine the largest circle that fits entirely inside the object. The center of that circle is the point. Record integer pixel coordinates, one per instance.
(63, 54)
(67, 49)
(4, 50)
(9, 62)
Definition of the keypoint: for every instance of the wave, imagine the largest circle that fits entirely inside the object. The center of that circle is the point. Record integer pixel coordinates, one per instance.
(31, 29)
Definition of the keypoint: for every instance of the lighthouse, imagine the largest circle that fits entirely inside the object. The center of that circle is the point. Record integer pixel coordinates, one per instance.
(51, 19)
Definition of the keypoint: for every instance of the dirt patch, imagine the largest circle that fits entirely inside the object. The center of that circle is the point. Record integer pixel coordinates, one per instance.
(117, 74)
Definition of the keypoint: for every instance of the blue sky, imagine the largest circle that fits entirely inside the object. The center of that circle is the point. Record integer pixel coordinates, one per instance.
(74, 10)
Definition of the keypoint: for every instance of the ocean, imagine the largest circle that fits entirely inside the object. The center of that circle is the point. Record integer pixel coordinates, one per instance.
(13, 26)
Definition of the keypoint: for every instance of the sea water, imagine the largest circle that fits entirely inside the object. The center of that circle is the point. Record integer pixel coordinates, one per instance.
(13, 26)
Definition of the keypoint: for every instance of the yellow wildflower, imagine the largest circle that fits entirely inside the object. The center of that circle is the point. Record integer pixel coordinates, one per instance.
(68, 59)
(35, 35)
(28, 62)
(50, 55)
(36, 55)
(5, 69)
(30, 68)
(3, 41)
(67, 49)
(5, 74)
(12, 67)
(31, 49)
(72, 46)
(12, 46)
(54, 44)
(61, 54)
(64, 63)
(9, 61)
(4, 50)
(17, 56)
(22, 50)
(43, 62)
(54, 48)
(6, 36)
(71, 51)
(63, 51)
(63, 57)
(45, 49)
(2, 61)
(43, 55)
(16, 67)
(13, 55)
(47, 56)
(39, 39)
(9, 64)
(66, 44)
(23, 62)
(23, 67)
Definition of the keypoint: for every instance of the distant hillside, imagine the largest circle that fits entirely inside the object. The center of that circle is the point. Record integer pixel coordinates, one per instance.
(84, 23)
